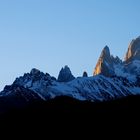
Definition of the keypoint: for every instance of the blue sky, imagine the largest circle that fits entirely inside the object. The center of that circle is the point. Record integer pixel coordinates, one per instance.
(48, 34)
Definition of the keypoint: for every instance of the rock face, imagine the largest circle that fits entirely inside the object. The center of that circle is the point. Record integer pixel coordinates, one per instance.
(109, 66)
(132, 58)
(106, 62)
(85, 74)
(35, 71)
(116, 79)
(65, 75)
(133, 50)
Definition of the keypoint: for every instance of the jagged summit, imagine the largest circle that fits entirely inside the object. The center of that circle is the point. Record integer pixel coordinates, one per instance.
(133, 50)
(85, 74)
(65, 75)
(109, 65)
(35, 71)
(116, 79)
(132, 57)
(105, 52)
(106, 62)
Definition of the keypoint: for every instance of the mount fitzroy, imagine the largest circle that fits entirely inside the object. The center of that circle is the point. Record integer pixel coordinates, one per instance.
(112, 79)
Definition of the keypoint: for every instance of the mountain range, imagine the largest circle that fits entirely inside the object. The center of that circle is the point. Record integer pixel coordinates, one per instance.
(112, 79)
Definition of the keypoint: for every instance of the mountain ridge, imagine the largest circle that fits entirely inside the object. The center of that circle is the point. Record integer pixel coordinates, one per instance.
(113, 79)
(108, 65)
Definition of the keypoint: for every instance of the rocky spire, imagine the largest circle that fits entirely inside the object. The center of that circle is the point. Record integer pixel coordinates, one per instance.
(35, 71)
(105, 52)
(105, 63)
(65, 75)
(85, 74)
(133, 50)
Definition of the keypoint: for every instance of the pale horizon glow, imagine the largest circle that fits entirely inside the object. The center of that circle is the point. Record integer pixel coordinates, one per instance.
(49, 34)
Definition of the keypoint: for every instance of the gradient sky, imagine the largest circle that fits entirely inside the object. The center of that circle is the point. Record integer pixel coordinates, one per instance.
(48, 34)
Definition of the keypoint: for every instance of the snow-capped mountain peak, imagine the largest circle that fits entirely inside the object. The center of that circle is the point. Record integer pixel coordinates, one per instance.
(133, 50)
(113, 79)
(65, 75)
(35, 71)
(106, 62)
(108, 65)
(105, 52)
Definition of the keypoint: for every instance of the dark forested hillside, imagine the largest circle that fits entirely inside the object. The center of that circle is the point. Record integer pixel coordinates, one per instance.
(68, 109)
